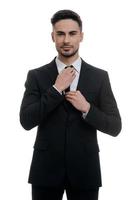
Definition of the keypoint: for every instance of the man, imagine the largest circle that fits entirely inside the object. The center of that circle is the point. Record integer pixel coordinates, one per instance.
(69, 100)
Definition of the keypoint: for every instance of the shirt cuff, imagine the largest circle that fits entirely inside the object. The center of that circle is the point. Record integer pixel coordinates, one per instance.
(57, 89)
(84, 114)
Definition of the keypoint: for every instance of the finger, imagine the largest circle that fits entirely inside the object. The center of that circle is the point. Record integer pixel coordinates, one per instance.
(73, 76)
(69, 69)
(73, 73)
(78, 92)
(70, 100)
(73, 70)
(70, 97)
(71, 93)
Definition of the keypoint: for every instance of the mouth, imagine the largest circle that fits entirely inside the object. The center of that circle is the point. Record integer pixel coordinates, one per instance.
(66, 47)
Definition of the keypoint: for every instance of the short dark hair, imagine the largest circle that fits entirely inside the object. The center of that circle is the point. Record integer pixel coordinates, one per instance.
(66, 14)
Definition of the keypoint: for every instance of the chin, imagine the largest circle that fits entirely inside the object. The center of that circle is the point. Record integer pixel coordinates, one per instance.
(67, 55)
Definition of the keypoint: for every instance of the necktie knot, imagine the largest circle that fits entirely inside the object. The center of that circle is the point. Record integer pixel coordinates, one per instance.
(68, 66)
(71, 67)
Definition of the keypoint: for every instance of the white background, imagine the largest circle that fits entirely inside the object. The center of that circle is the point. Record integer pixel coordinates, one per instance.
(25, 43)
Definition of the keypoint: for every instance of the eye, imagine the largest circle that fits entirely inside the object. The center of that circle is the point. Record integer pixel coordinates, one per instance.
(60, 33)
(73, 33)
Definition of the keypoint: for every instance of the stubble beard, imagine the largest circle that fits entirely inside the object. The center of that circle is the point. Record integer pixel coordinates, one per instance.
(68, 55)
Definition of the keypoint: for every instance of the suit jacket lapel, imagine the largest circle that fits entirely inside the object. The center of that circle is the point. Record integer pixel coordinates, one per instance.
(52, 71)
(87, 84)
(83, 78)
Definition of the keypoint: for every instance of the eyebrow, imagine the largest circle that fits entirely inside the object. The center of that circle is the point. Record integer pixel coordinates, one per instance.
(64, 32)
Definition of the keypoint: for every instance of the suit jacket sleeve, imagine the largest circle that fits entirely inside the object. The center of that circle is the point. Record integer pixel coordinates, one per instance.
(105, 117)
(35, 106)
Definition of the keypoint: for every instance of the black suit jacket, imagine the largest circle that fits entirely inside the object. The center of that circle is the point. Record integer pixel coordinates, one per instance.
(66, 142)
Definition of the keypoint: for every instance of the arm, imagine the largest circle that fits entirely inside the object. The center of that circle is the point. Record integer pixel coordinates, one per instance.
(35, 106)
(106, 117)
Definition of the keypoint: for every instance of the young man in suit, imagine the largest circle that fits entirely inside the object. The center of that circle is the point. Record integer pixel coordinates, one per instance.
(69, 100)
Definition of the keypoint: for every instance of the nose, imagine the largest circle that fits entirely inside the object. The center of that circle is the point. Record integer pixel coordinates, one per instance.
(66, 39)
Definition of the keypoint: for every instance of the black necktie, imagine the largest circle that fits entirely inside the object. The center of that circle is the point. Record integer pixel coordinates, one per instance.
(68, 89)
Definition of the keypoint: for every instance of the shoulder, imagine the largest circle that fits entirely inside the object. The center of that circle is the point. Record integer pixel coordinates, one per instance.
(42, 69)
(94, 70)
(97, 76)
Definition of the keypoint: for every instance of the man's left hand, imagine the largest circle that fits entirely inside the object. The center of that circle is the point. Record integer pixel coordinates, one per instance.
(78, 100)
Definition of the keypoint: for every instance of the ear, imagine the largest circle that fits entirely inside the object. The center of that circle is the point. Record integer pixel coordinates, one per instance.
(52, 35)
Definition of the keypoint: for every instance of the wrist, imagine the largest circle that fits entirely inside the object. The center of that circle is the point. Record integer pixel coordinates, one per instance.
(87, 108)
(58, 88)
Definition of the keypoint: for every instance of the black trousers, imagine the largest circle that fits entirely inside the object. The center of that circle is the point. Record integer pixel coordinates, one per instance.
(49, 193)
(42, 193)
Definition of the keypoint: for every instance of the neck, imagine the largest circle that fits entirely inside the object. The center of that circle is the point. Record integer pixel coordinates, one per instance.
(68, 60)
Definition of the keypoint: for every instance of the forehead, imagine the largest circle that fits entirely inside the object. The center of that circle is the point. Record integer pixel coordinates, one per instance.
(66, 25)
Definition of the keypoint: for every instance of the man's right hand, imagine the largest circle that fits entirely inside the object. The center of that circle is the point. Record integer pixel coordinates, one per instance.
(65, 78)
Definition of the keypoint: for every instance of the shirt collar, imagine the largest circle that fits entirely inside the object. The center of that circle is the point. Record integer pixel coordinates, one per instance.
(76, 64)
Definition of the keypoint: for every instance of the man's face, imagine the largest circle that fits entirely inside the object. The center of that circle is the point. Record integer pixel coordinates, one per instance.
(67, 37)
